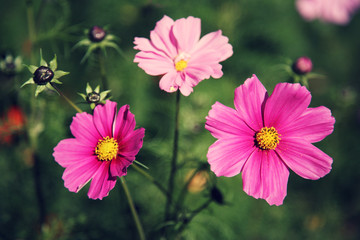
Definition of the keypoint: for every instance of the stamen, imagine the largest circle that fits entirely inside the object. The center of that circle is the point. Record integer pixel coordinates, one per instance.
(267, 138)
(180, 65)
(106, 149)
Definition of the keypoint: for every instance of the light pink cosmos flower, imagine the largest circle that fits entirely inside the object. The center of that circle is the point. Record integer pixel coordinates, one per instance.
(176, 52)
(264, 136)
(333, 11)
(105, 145)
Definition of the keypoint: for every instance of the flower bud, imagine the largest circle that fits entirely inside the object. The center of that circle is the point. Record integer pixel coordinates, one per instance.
(96, 34)
(93, 97)
(43, 75)
(302, 65)
(217, 196)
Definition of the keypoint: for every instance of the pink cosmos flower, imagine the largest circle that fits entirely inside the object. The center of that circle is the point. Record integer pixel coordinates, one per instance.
(264, 136)
(333, 11)
(105, 144)
(176, 52)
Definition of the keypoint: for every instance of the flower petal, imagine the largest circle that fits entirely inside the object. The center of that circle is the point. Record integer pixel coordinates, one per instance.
(287, 103)
(124, 123)
(162, 38)
(228, 155)
(187, 33)
(265, 176)
(130, 146)
(168, 81)
(223, 122)
(83, 129)
(77, 175)
(303, 158)
(313, 125)
(102, 182)
(104, 116)
(249, 101)
(217, 42)
(118, 167)
(70, 151)
(153, 63)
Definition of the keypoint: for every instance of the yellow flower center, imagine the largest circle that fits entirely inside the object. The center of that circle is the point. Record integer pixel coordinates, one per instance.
(106, 149)
(267, 138)
(180, 65)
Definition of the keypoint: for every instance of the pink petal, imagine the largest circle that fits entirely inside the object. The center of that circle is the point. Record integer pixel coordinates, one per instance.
(167, 82)
(102, 182)
(162, 38)
(187, 33)
(130, 146)
(124, 123)
(286, 104)
(228, 155)
(312, 126)
(84, 130)
(265, 176)
(153, 63)
(303, 158)
(217, 42)
(224, 122)
(118, 167)
(104, 116)
(70, 151)
(145, 45)
(249, 102)
(308, 9)
(80, 173)
(186, 88)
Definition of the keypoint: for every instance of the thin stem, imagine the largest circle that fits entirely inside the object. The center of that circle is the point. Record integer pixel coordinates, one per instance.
(133, 210)
(193, 214)
(174, 159)
(66, 99)
(149, 177)
(102, 71)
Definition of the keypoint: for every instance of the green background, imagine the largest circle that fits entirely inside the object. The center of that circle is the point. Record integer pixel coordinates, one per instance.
(264, 35)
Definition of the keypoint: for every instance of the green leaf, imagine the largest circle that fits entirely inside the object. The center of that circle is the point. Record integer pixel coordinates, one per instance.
(30, 81)
(97, 89)
(83, 96)
(42, 61)
(55, 80)
(32, 68)
(39, 89)
(53, 64)
(58, 74)
(88, 88)
(104, 94)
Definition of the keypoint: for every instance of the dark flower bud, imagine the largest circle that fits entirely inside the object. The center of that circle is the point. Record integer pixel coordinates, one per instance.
(93, 97)
(43, 75)
(302, 65)
(217, 196)
(96, 34)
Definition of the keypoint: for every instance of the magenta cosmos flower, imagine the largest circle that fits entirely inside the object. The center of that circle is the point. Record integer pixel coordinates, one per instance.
(176, 52)
(333, 11)
(264, 136)
(105, 144)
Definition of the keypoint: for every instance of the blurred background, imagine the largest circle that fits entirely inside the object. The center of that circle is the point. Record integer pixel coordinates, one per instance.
(265, 35)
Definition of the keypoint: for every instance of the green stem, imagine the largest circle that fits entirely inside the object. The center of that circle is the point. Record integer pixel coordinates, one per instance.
(133, 210)
(193, 214)
(66, 99)
(150, 178)
(102, 71)
(174, 159)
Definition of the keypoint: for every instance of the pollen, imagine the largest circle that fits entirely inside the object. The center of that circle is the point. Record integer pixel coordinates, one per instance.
(180, 65)
(267, 138)
(106, 149)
